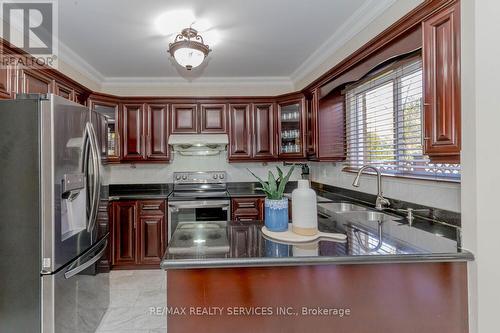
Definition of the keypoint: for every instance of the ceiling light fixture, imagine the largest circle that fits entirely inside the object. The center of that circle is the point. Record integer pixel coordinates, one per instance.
(188, 49)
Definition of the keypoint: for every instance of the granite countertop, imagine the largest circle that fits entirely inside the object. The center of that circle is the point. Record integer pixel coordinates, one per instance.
(397, 243)
(139, 191)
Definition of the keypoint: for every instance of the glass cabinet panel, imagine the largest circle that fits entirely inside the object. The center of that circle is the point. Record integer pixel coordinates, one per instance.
(291, 129)
(110, 111)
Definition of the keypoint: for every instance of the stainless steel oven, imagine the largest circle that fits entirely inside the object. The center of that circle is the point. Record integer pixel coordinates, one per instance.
(197, 211)
(198, 197)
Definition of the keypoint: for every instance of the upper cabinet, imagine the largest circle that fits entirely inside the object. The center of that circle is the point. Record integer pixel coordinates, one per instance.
(264, 133)
(145, 132)
(33, 82)
(252, 132)
(291, 128)
(6, 82)
(184, 118)
(134, 141)
(213, 118)
(157, 132)
(194, 118)
(441, 70)
(330, 126)
(240, 132)
(110, 109)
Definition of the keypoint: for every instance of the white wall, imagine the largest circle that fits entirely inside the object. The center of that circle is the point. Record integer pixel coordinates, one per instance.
(442, 195)
(162, 173)
(481, 183)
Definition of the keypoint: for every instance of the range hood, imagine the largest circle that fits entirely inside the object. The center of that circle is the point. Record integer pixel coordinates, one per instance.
(198, 144)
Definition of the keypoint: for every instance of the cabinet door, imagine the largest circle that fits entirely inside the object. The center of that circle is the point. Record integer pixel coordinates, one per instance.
(124, 233)
(242, 240)
(291, 128)
(151, 237)
(64, 91)
(312, 126)
(184, 118)
(264, 134)
(331, 127)
(441, 71)
(110, 109)
(247, 209)
(240, 130)
(157, 132)
(213, 118)
(35, 83)
(6, 82)
(133, 142)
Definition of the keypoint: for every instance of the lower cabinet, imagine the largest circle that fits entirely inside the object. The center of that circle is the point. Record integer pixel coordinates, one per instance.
(244, 241)
(247, 209)
(139, 233)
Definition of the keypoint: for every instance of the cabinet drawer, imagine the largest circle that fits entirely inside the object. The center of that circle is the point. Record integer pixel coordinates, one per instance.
(247, 209)
(152, 207)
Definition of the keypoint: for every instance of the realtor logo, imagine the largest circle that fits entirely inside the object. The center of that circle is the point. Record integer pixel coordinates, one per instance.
(31, 26)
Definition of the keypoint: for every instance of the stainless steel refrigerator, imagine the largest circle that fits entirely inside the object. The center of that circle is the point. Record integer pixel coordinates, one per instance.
(50, 183)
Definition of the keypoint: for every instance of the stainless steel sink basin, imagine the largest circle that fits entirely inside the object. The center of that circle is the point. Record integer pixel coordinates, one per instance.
(368, 216)
(342, 207)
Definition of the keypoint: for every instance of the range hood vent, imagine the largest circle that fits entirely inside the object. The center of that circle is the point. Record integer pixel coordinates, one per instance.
(198, 144)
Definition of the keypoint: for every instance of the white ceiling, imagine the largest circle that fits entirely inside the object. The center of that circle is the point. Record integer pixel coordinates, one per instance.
(118, 39)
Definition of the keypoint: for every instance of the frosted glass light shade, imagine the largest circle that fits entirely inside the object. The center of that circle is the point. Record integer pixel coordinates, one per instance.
(188, 57)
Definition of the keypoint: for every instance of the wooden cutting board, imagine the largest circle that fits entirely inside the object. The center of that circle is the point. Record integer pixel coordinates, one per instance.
(291, 237)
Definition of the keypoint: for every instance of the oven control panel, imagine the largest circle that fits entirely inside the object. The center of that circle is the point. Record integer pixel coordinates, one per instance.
(200, 177)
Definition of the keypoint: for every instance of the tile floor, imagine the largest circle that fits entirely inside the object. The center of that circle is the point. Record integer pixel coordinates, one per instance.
(133, 293)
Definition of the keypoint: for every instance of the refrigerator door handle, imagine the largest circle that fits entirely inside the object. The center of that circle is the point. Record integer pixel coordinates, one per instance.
(73, 271)
(96, 186)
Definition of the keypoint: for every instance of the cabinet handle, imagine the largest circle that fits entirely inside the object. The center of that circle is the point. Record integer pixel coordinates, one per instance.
(246, 205)
(150, 207)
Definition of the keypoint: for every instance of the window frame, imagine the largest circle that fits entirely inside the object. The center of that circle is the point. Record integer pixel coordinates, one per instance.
(384, 75)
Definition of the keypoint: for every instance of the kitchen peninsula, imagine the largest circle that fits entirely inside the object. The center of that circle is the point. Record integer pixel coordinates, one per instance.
(387, 277)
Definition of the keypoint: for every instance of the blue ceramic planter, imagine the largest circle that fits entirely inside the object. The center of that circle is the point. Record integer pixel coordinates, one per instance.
(276, 214)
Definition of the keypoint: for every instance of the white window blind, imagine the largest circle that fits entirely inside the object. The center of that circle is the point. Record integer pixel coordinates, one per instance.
(384, 124)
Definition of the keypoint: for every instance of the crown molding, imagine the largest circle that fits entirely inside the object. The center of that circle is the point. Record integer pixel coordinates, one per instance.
(70, 57)
(368, 12)
(203, 86)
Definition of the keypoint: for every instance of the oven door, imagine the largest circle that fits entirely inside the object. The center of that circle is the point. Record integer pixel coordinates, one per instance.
(196, 211)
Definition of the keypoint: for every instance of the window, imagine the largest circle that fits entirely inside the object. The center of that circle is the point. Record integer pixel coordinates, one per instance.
(384, 124)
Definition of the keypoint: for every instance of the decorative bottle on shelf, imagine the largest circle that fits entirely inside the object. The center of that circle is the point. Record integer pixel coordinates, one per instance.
(304, 210)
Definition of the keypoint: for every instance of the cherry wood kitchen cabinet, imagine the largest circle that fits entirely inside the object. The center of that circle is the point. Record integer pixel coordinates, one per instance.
(110, 108)
(240, 132)
(243, 241)
(145, 132)
(184, 118)
(157, 132)
(247, 209)
(124, 237)
(291, 128)
(252, 132)
(331, 127)
(33, 82)
(139, 233)
(264, 131)
(7, 83)
(441, 72)
(133, 132)
(213, 118)
(64, 91)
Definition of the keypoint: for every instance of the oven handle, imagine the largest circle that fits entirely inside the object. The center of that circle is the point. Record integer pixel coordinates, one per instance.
(219, 204)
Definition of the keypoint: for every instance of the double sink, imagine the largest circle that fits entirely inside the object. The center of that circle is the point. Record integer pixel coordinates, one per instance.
(355, 213)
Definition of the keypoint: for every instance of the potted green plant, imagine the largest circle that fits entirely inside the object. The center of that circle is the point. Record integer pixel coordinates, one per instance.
(276, 206)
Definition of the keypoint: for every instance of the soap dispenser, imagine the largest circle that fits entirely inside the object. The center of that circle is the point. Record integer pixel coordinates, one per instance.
(304, 210)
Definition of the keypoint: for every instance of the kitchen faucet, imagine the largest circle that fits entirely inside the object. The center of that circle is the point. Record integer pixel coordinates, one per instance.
(381, 202)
